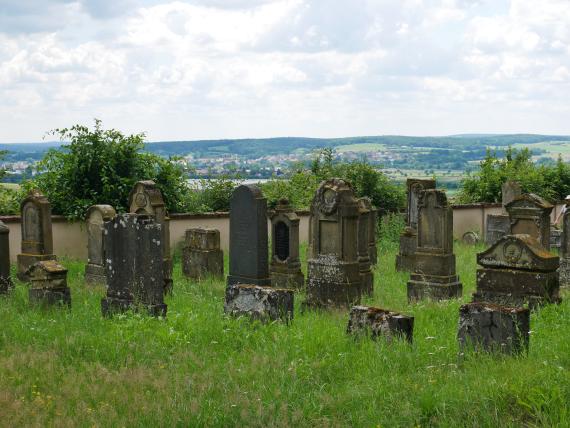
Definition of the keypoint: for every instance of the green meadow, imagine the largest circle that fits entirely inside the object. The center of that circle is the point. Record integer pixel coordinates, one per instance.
(198, 367)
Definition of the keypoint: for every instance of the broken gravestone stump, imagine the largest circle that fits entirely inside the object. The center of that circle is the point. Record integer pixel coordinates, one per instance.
(259, 303)
(48, 284)
(201, 255)
(493, 328)
(377, 322)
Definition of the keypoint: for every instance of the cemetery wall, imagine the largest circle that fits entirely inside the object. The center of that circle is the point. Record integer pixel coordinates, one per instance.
(70, 238)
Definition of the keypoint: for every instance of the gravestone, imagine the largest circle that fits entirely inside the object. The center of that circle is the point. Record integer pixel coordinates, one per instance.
(372, 224)
(37, 240)
(364, 265)
(259, 303)
(564, 270)
(146, 199)
(285, 267)
(516, 271)
(510, 190)
(248, 237)
(498, 225)
(5, 279)
(377, 322)
(134, 265)
(530, 215)
(333, 277)
(493, 328)
(555, 237)
(201, 254)
(409, 237)
(48, 284)
(434, 275)
(95, 267)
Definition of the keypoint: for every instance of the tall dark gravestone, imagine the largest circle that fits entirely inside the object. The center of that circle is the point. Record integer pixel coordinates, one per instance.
(530, 215)
(248, 237)
(134, 265)
(5, 279)
(434, 274)
(333, 277)
(365, 266)
(564, 270)
(97, 215)
(146, 199)
(285, 267)
(37, 239)
(409, 237)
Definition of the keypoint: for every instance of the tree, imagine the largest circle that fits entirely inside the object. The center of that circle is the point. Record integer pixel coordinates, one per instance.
(3, 154)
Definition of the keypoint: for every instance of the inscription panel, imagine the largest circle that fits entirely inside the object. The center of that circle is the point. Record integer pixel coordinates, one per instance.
(328, 238)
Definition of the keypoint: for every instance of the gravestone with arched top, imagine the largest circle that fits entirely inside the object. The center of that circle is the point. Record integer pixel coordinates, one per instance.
(97, 215)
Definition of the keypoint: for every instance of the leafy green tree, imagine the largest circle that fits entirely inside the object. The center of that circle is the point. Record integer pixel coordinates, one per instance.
(99, 166)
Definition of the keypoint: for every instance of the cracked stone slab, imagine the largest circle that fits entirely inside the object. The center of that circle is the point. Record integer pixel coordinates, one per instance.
(259, 303)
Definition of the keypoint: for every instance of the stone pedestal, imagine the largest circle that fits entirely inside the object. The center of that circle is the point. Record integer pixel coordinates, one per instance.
(331, 282)
(201, 255)
(408, 245)
(133, 245)
(259, 303)
(497, 227)
(517, 271)
(434, 275)
(377, 322)
(48, 284)
(95, 267)
(285, 267)
(364, 264)
(5, 279)
(493, 328)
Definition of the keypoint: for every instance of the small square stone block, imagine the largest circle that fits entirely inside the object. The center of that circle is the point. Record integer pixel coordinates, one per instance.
(49, 284)
(493, 328)
(380, 322)
(259, 303)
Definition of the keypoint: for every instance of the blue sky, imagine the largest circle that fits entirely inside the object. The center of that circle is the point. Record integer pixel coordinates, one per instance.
(260, 68)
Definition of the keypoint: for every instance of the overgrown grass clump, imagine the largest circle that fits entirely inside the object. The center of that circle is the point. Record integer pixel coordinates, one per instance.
(198, 367)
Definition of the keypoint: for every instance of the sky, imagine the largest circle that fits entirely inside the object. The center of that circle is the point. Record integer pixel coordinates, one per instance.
(209, 69)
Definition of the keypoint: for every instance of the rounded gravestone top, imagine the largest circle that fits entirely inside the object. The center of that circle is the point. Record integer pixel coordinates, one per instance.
(470, 238)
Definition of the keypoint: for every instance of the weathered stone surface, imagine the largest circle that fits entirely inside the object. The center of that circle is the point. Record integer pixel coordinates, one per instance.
(248, 237)
(470, 238)
(497, 227)
(95, 267)
(555, 237)
(493, 328)
(48, 284)
(333, 277)
(5, 279)
(37, 239)
(564, 270)
(517, 270)
(530, 215)
(201, 254)
(372, 226)
(510, 190)
(146, 199)
(364, 264)
(405, 260)
(285, 268)
(434, 275)
(134, 265)
(259, 303)
(377, 322)
(415, 187)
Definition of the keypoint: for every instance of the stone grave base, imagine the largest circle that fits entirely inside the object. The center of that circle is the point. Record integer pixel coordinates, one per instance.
(293, 280)
(113, 305)
(95, 274)
(332, 283)
(25, 261)
(493, 328)
(259, 303)
(200, 263)
(50, 296)
(420, 290)
(380, 322)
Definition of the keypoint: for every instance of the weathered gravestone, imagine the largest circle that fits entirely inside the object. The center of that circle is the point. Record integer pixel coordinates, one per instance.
(201, 254)
(37, 239)
(5, 279)
(134, 265)
(434, 275)
(493, 328)
(365, 267)
(555, 237)
(498, 225)
(285, 265)
(409, 237)
(377, 322)
(333, 277)
(515, 271)
(259, 303)
(564, 270)
(372, 224)
(510, 190)
(48, 284)
(530, 215)
(146, 199)
(95, 267)
(248, 237)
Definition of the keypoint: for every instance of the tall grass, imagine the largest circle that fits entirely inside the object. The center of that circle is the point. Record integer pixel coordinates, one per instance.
(198, 367)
